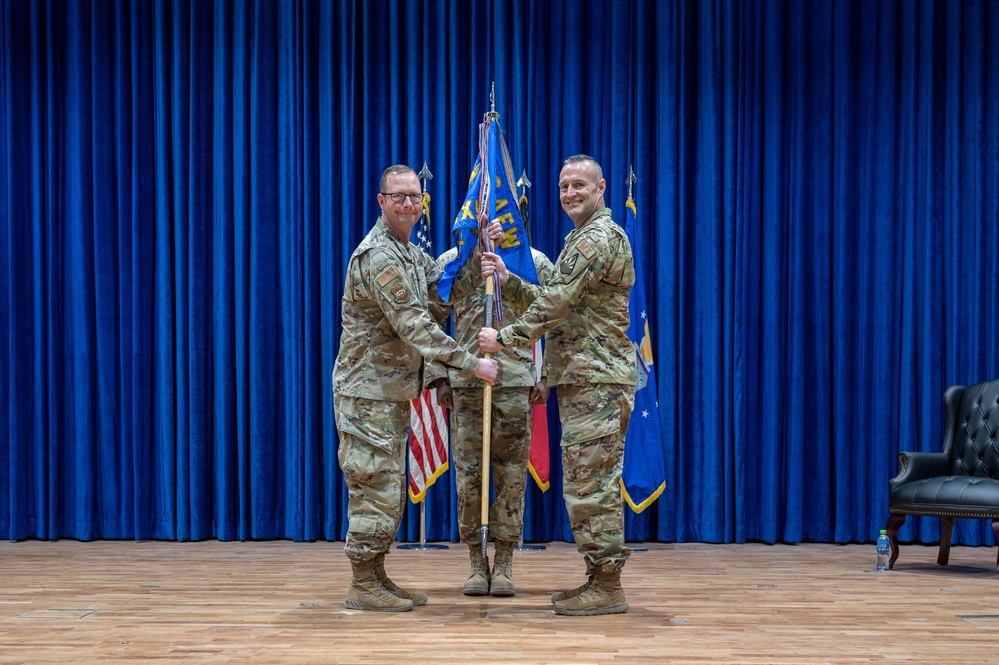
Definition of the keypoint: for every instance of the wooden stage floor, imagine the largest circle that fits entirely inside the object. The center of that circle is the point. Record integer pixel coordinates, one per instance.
(69, 602)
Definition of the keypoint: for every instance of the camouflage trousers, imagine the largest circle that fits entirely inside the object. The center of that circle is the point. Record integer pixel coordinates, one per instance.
(509, 450)
(594, 422)
(372, 455)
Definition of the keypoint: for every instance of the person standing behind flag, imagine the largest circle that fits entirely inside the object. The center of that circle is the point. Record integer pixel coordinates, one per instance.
(584, 311)
(387, 333)
(512, 399)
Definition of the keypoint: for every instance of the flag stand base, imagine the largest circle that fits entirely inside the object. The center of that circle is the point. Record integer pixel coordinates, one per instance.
(637, 548)
(521, 547)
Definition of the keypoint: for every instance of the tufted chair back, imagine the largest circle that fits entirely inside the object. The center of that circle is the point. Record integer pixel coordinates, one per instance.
(971, 441)
(960, 481)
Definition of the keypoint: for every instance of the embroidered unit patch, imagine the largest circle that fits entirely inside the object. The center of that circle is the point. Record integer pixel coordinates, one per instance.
(568, 265)
(400, 293)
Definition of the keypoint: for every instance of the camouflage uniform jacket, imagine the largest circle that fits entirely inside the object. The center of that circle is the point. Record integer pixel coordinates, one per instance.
(387, 330)
(468, 303)
(583, 308)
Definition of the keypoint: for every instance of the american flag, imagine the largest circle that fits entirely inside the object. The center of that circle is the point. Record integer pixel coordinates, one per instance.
(427, 422)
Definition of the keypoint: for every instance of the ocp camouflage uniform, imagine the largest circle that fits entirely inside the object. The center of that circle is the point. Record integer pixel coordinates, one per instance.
(387, 333)
(510, 443)
(589, 358)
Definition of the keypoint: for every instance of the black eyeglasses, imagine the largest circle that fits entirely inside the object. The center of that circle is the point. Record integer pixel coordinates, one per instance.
(399, 197)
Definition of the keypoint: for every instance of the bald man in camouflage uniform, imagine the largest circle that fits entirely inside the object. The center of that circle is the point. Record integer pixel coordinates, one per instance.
(387, 333)
(584, 310)
(510, 444)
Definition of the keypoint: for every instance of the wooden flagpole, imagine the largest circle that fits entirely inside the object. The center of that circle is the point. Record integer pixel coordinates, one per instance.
(485, 188)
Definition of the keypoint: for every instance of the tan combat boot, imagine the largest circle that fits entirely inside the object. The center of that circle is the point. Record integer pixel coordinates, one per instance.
(501, 582)
(394, 589)
(559, 596)
(604, 596)
(477, 583)
(367, 593)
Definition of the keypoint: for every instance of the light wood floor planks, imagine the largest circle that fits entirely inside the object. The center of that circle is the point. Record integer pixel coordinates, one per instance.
(282, 602)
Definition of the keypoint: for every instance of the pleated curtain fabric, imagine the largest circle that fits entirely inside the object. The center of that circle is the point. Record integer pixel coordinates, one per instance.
(183, 182)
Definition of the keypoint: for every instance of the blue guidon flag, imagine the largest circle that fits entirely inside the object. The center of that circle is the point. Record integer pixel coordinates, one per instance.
(644, 476)
(501, 203)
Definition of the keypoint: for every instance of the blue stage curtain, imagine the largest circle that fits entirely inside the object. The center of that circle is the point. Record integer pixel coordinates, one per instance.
(183, 184)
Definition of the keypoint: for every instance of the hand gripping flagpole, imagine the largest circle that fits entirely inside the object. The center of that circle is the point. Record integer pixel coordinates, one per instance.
(485, 191)
(424, 175)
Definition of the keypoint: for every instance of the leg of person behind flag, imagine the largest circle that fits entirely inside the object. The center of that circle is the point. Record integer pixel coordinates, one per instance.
(509, 451)
(511, 426)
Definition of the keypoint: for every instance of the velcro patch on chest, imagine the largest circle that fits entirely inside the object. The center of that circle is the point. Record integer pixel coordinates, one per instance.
(386, 276)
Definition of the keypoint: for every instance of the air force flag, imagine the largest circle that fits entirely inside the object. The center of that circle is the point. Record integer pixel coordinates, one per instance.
(644, 476)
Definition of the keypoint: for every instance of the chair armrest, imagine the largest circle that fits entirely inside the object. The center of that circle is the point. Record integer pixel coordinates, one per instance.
(917, 466)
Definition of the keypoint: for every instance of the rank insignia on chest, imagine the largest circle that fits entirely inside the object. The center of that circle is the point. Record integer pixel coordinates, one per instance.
(568, 265)
(400, 293)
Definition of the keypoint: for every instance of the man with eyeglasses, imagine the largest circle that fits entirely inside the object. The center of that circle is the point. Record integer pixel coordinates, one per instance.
(387, 335)
(584, 311)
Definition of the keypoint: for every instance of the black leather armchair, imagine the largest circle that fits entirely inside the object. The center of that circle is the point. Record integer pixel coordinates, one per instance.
(960, 481)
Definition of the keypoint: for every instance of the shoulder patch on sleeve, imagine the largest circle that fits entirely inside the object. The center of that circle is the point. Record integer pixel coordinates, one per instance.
(400, 293)
(386, 276)
(568, 264)
(586, 250)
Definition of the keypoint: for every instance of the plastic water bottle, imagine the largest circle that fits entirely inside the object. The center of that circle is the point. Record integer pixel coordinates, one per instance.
(884, 551)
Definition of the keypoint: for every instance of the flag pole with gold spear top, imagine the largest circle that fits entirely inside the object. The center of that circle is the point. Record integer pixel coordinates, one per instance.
(425, 176)
(630, 202)
(524, 185)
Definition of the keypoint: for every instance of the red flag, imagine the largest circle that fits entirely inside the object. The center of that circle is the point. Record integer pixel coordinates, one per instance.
(539, 464)
(427, 422)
